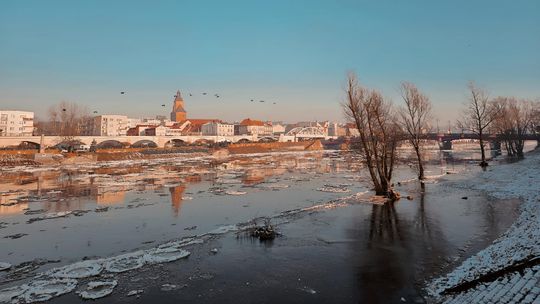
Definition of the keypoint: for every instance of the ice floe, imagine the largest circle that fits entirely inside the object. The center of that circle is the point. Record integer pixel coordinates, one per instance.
(164, 255)
(43, 290)
(125, 262)
(4, 266)
(97, 289)
(232, 192)
(78, 270)
(223, 229)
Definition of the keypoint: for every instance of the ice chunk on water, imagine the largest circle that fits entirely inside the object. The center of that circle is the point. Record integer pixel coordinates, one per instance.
(232, 192)
(163, 255)
(125, 262)
(43, 290)
(333, 189)
(134, 292)
(78, 270)
(95, 290)
(223, 229)
(9, 294)
(4, 266)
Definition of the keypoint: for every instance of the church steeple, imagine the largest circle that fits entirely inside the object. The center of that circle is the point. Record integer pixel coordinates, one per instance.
(178, 96)
(178, 113)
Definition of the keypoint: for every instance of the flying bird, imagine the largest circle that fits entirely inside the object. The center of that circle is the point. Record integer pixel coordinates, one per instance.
(190, 94)
(122, 92)
(261, 100)
(162, 105)
(95, 112)
(252, 100)
(63, 110)
(274, 103)
(204, 93)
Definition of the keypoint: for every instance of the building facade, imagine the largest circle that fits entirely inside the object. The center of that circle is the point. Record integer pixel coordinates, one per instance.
(254, 127)
(217, 129)
(16, 123)
(107, 125)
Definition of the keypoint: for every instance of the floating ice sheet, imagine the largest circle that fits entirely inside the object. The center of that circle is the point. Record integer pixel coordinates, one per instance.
(164, 255)
(98, 289)
(125, 262)
(43, 290)
(78, 270)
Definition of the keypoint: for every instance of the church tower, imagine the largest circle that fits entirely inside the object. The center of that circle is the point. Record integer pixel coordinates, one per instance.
(178, 113)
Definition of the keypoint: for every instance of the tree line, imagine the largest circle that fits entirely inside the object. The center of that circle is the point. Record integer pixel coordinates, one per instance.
(381, 125)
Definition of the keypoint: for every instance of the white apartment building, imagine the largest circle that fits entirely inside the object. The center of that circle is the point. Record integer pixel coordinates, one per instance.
(278, 129)
(133, 122)
(217, 129)
(254, 127)
(108, 125)
(16, 123)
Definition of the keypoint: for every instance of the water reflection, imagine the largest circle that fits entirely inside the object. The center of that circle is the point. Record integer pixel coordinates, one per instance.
(176, 198)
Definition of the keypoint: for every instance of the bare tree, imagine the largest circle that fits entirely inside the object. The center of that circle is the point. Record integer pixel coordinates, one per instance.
(378, 131)
(414, 118)
(478, 115)
(514, 122)
(66, 118)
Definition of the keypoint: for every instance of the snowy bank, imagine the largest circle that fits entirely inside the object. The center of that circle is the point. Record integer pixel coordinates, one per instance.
(520, 244)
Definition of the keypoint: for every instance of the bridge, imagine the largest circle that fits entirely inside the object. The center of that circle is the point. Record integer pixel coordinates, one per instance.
(445, 140)
(156, 141)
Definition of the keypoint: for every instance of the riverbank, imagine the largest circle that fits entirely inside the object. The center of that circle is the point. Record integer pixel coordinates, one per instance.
(508, 270)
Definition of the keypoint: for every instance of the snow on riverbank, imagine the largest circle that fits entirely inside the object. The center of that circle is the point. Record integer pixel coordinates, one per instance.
(520, 243)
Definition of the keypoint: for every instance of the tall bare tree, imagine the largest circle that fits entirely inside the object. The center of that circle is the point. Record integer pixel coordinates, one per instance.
(66, 118)
(378, 130)
(414, 118)
(478, 115)
(514, 122)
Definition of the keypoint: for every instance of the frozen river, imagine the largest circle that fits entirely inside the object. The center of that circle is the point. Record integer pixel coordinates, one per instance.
(56, 216)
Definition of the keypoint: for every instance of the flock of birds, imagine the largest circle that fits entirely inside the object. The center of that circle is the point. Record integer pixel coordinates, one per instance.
(190, 94)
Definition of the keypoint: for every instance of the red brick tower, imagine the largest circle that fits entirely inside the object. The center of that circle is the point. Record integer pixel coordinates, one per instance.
(178, 113)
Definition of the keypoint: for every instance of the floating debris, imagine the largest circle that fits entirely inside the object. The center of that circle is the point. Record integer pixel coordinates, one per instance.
(98, 289)
(15, 236)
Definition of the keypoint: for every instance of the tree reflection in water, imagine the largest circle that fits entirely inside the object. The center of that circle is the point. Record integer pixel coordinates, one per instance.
(397, 251)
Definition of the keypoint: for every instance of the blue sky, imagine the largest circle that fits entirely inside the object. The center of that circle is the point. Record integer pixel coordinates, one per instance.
(294, 53)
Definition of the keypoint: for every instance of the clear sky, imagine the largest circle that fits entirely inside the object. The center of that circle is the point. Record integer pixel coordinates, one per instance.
(295, 53)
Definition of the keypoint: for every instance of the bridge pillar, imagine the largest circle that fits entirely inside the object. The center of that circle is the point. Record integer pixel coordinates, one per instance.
(445, 145)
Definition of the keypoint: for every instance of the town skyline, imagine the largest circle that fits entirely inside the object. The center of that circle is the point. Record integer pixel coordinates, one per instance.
(294, 54)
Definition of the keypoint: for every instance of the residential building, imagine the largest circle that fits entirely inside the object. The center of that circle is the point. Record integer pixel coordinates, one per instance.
(16, 123)
(107, 125)
(253, 127)
(194, 126)
(217, 129)
(133, 122)
(278, 128)
(156, 131)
